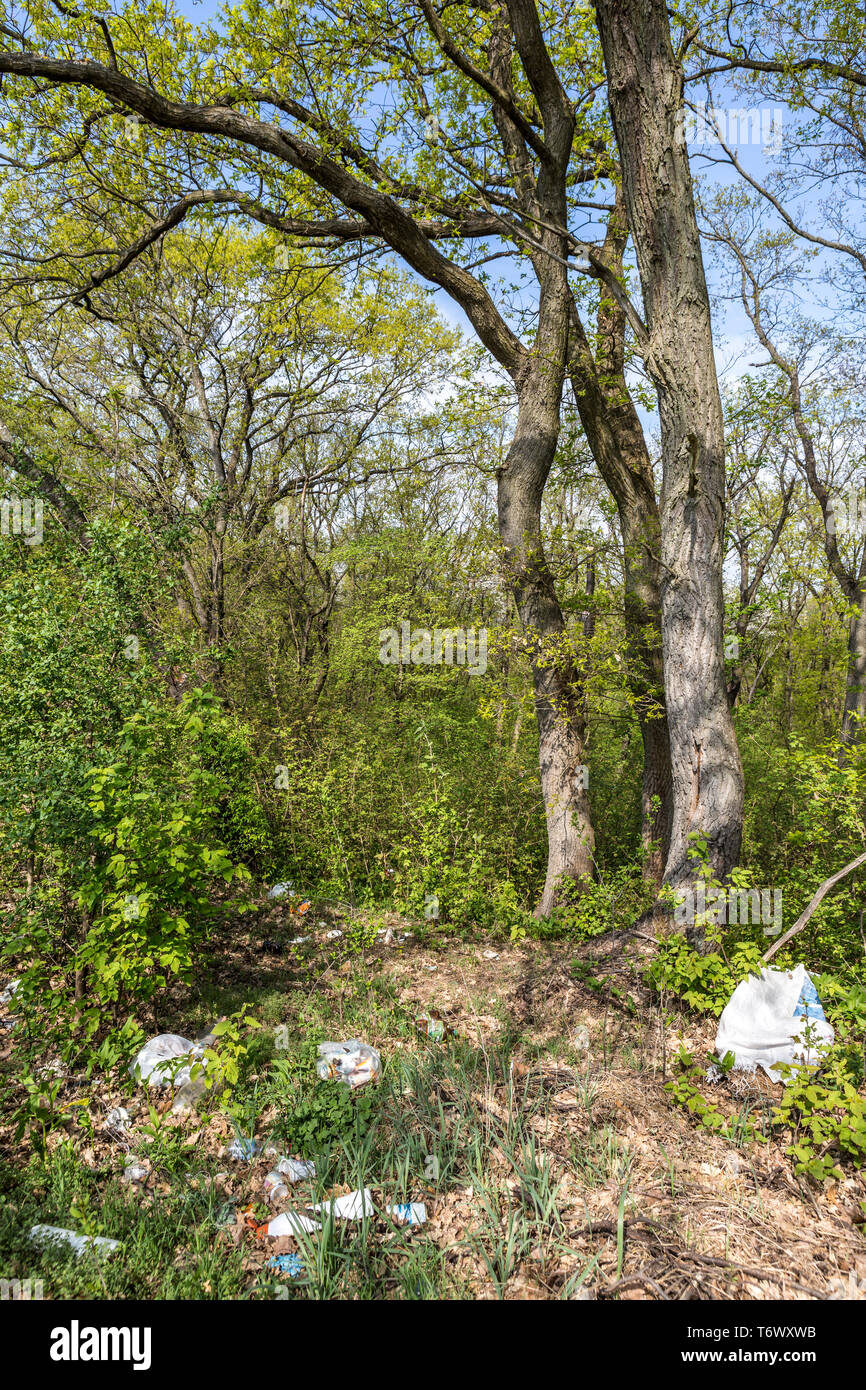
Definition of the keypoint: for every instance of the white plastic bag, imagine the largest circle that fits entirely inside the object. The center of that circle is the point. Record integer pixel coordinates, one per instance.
(761, 1027)
(157, 1062)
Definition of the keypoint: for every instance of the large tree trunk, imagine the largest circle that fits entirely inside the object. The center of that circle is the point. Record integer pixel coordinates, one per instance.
(854, 713)
(558, 689)
(615, 437)
(559, 696)
(645, 94)
(614, 434)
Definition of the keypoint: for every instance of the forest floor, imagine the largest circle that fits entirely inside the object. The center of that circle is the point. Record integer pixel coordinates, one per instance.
(564, 1168)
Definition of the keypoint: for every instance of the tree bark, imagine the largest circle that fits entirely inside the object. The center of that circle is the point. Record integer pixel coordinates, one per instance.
(616, 439)
(558, 689)
(645, 92)
(854, 712)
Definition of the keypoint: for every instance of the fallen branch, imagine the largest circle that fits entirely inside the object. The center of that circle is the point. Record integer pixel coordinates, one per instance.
(630, 1282)
(804, 916)
(769, 1275)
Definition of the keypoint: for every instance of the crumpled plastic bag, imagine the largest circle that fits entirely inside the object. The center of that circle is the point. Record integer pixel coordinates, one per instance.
(774, 1019)
(352, 1062)
(156, 1063)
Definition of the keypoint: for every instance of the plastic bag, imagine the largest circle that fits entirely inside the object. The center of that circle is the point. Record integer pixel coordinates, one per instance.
(352, 1062)
(296, 1169)
(157, 1062)
(772, 1020)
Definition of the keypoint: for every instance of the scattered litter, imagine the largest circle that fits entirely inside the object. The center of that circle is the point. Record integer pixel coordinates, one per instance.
(580, 1041)
(413, 1213)
(352, 1062)
(56, 1235)
(387, 936)
(296, 1169)
(274, 1188)
(188, 1096)
(809, 1005)
(117, 1119)
(491, 955)
(298, 940)
(290, 1223)
(772, 1020)
(8, 993)
(245, 1150)
(292, 1265)
(136, 1172)
(225, 1216)
(280, 890)
(352, 1207)
(332, 935)
(157, 1064)
(432, 1026)
(251, 1220)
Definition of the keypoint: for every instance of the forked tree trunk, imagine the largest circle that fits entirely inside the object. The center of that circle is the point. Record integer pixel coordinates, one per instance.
(645, 92)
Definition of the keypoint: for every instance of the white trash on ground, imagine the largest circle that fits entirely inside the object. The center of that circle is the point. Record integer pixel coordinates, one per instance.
(289, 1223)
(8, 993)
(274, 1188)
(352, 1062)
(243, 1149)
(56, 1235)
(296, 1169)
(280, 890)
(117, 1119)
(135, 1171)
(772, 1020)
(413, 1213)
(353, 1207)
(157, 1062)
